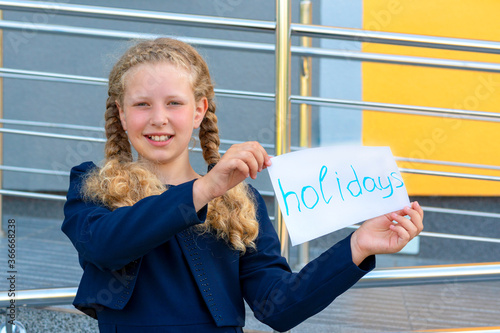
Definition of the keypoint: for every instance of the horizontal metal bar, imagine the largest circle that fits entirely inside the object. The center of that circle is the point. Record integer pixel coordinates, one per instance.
(251, 46)
(20, 73)
(397, 59)
(132, 35)
(75, 31)
(398, 108)
(25, 74)
(267, 193)
(33, 170)
(367, 36)
(456, 164)
(450, 174)
(72, 137)
(460, 212)
(52, 135)
(93, 129)
(34, 195)
(431, 209)
(460, 237)
(139, 15)
(463, 330)
(67, 137)
(435, 271)
(47, 79)
(41, 297)
(234, 142)
(441, 235)
(430, 274)
(449, 236)
(245, 94)
(51, 125)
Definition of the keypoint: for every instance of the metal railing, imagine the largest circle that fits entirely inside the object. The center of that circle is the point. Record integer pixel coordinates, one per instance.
(249, 25)
(376, 278)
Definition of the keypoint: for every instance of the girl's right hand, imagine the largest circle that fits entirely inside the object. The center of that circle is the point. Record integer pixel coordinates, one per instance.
(239, 162)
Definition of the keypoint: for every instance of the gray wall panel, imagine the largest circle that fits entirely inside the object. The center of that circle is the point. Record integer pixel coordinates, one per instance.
(340, 78)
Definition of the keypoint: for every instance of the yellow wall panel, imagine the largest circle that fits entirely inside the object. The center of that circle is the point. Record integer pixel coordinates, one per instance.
(426, 137)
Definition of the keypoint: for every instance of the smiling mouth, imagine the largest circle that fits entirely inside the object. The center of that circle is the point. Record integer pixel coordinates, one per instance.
(159, 138)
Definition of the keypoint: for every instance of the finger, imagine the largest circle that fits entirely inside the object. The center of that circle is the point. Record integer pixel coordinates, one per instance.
(416, 206)
(401, 232)
(240, 153)
(261, 155)
(407, 224)
(241, 167)
(416, 214)
(249, 158)
(252, 153)
(268, 162)
(416, 217)
(266, 158)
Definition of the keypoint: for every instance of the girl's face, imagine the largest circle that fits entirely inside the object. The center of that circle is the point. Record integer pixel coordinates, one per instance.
(159, 112)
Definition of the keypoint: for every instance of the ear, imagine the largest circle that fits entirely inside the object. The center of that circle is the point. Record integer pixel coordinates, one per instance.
(122, 116)
(200, 111)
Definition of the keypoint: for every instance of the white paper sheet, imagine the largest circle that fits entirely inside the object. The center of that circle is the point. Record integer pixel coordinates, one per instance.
(320, 190)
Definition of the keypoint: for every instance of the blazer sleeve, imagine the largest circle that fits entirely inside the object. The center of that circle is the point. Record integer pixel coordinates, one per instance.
(283, 299)
(111, 239)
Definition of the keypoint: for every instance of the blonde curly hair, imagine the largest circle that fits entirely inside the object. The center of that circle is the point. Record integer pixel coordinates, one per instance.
(122, 181)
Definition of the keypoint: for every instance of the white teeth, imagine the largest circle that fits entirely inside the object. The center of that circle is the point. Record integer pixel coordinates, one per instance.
(159, 138)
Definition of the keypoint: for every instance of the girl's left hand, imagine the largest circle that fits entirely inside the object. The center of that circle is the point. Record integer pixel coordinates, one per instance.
(381, 235)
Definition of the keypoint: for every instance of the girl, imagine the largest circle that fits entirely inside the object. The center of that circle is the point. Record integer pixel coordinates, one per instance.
(164, 249)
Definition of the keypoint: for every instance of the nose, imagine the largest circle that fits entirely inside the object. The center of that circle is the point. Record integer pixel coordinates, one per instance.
(159, 116)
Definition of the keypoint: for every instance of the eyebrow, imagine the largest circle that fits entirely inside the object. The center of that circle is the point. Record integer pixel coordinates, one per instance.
(141, 96)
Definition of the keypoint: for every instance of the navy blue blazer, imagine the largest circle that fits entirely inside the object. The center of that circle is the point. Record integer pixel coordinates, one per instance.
(110, 246)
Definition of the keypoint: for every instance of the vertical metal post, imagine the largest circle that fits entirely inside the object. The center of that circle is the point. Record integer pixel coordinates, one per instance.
(9, 327)
(305, 77)
(283, 59)
(283, 68)
(305, 109)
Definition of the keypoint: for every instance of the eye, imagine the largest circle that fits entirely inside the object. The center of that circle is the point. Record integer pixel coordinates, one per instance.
(141, 104)
(174, 103)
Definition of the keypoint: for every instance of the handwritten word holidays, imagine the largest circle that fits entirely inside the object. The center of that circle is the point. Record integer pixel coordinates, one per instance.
(330, 185)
